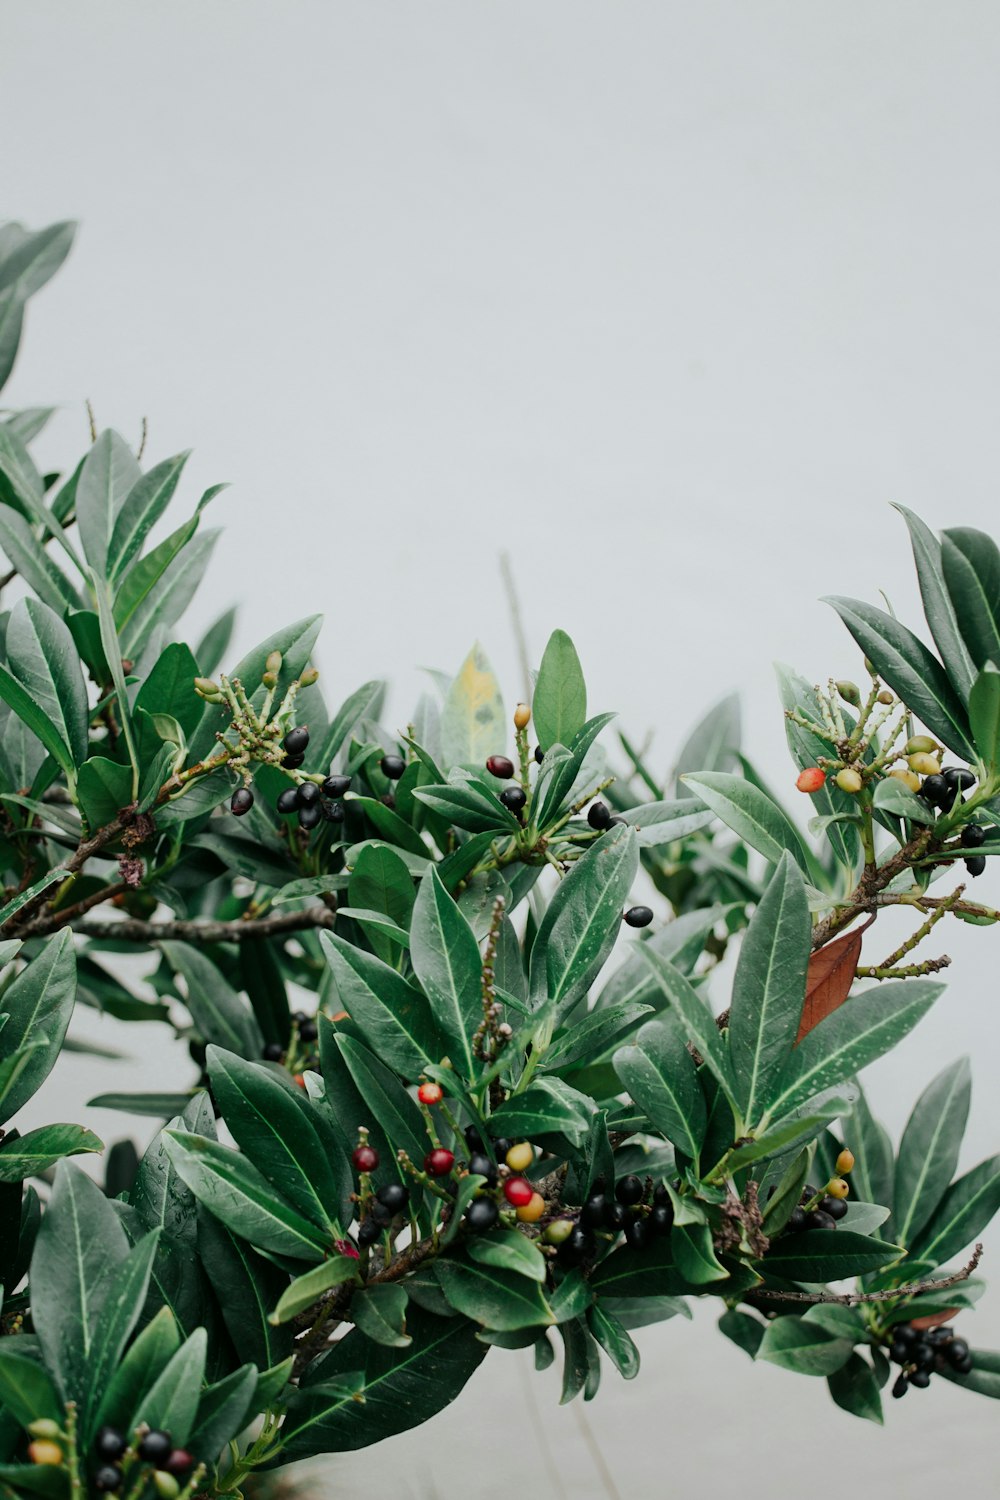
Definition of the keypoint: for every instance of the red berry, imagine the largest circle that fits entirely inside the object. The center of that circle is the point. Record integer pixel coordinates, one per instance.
(500, 766)
(518, 1191)
(811, 779)
(430, 1093)
(179, 1462)
(439, 1162)
(365, 1158)
(300, 1080)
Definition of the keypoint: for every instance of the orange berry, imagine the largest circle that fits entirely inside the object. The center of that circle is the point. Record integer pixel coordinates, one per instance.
(430, 1093)
(845, 1162)
(522, 716)
(300, 1080)
(531, 1212)
(837, 1188)
(811, 779)
(43, 1452)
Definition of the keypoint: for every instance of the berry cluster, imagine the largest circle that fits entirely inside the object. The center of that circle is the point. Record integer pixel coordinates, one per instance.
(154, 1447)
(636, 1209)
(381, 1207)
(922, 1351)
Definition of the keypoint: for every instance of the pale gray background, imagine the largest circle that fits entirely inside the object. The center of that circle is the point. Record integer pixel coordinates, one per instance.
(670, 300)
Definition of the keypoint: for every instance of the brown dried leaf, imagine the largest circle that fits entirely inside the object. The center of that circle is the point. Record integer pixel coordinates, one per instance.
(829, 978)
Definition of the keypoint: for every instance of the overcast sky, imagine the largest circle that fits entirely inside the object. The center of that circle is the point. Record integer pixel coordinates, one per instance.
(669, 301)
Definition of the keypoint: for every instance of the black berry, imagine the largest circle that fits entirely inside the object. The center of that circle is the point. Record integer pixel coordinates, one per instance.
(307, 794)
(394, 1196)
(629, 1189)
(368, 1232)
(473, 1139)
(963, 1366)
(539, 754)
(334, 812)
(819, 1220)
(309, 816)
(156, 1446)
(309, 1031)
(936, 791)
(835, 1207)
(661, 1193)
(296, 741)
(637, 1233)
(599, 815)
(958, 778)
(576, 1247)
(241, 801)
(973, 834)
(273, 1052)
(905, 1334)
(592, 1212)
(899, 1353)
(481, 1166)
(110, 1443)
(920, 1378)
(614, 1215)
(639, 916)
(661, 1218)
(500, 766)
(501, 1146)
(901, 1386)
(922, 1355)
(513, 798)
(481, 1214)
(958, 1351)
(336, 786)
(381, 1214)
(392, 766)
(292, 762)
(108, 1479)
(976, 865)
(289, 800)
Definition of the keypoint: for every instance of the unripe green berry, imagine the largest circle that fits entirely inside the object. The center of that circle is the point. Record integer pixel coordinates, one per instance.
(166, 1486)
(849, 692)
(919, 744)
(309, 676)
(273, 663)
(924, 764)
(558, 1231)
(849, 780)
(45, 1427)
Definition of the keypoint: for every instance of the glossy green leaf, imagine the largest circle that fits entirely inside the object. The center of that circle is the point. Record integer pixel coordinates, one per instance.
(248, 1288)
(491, 1295)
(802, 1345)
(694, 1254)
(109, 473)
(614, 1339)
(39, 1004)
(970, 561)
(149, 1353)
(749, 812)
(310, 1286)
(984, 715)
(582, 922)
(219, 1014)
(232, 1189)
(586, 1039)
(119, 1316)
(385, 1099)
(395, 1017)
(696, 1021)
(966, 1209)
(743, 1330)
(446, 961)
(865, 1027)
(938, 609)
(928, 1152)
(224, 1409)
(171, 1404)
(559, 701)
(769, 989)
(910, 670)
(891, 796)
(143, 506)
(380, 1313)
(509, 1250)
(826, 1255)
(548, 1106)
(25, 1155)
(660, 1075)
(26, 1388)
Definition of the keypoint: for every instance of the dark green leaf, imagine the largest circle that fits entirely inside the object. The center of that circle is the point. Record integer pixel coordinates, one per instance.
(826, 1255)
(749, 812)
(938, 610)
(660, 1076)
(380, 1313)
(492, 1296)
(25, 1155)
(559, 702)
(446, 961)
(145, 503)
(966, 1209)
(218, 1012)
(928, 1152)
(614, 1340)
(395, 1018)
(39, 1004)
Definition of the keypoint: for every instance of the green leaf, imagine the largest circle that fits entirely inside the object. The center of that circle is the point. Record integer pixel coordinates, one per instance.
(928, 1152)
(26, 1388)
(984, 715)
(658, 823)
(38, 1004)
(144, 505)
(108, 475)
(158, 588)
(938, 610)
(402, 1387)
(77, 1258)
(384, 1096)
(713, 743)
(511, 1251)
(27, 260)
(743, 1330)
(103, 788)
(891, 796)
(310, 1286)
(872, 1176)
(802, 1345)
(28, 555)
(787, 1192)
(769, 989)
(232, 1189)
(582, 922)
(548, 1106)
(586, 1039)
(910, 670)
(224, 1409)
(749, 812)
(559, 702)
(614, 1340)
(492, 1296)
(26, 709)
(171, 1404)
(984, 1378)
(380, 1313)
(380, 882)
(119, 1315)
(966, 1209)
(865, 1027)
(218, 1012)
(211, 649)
(395, 1018)
(581, 1363)
(26, 1155)
(247, 1287)
(364, 703)
(696, 1021)
(661, 1077)
(467, 803)
(43, 658)
(149, 1354)
(169, 688)
(855, 1389)
(971, 564)
(473, 722)
(446, 961)
(51, 877)
(826, 1255)
(274, 1132)
(694, 1254)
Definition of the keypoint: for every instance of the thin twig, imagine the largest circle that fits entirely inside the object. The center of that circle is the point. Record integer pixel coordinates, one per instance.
(890, 1294)
(134, 930)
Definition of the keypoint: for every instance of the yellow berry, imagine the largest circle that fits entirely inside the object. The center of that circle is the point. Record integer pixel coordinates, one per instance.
(532, 1211)
(919, 744)
(837, 1187)
(522, 716)
(43, 1452)
(44, 1427)
(926, 765)
(908, 778)
(845, 1162)
(849, 780)
(520, 1157)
